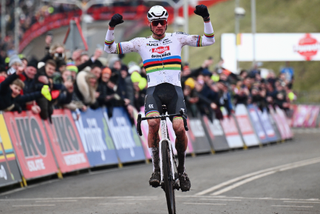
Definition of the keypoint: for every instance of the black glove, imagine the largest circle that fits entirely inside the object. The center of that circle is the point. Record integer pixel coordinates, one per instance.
(115, 20)
(202, 10)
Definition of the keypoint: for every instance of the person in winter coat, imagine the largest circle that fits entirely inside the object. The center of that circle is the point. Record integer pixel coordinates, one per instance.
(10, 96)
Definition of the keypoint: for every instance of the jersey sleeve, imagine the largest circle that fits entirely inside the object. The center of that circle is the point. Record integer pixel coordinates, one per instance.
(197, 40)
(118, 48)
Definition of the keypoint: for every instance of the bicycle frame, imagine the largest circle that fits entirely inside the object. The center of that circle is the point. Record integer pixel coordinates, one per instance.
(164, 136)
(168, 176)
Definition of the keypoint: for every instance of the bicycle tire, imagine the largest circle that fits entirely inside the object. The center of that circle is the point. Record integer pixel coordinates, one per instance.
(168, 181)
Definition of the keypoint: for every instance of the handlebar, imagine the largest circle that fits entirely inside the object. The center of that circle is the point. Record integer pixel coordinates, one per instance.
(181, 113)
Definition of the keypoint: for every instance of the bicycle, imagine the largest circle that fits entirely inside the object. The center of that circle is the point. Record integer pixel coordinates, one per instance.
(168, 165)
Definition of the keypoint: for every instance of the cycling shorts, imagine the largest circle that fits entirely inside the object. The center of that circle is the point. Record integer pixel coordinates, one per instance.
(164, 94)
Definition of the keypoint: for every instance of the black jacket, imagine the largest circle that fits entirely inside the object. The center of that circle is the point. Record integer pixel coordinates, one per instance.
(7, 100)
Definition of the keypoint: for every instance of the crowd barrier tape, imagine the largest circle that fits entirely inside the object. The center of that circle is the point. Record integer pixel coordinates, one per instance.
(305, 116)
(96, 138)
(215, 134)
(231, 131)
(9, 170)
(32, 148)
(244, 125)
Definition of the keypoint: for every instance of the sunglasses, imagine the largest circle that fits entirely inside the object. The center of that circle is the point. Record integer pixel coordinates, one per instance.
(162, 22)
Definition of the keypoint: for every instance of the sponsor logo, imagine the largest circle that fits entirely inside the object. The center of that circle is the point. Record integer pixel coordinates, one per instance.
(150, 105)
(307, 47)
(3, 173)
(166, 41)
(160, 50)
(91, 137)
(160, 56)
(36, 165)
(152, 44)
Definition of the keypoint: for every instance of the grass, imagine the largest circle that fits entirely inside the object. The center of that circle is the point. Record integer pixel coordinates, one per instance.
(272, 16)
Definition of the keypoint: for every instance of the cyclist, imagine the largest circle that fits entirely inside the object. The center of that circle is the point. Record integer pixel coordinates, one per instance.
(161, 55)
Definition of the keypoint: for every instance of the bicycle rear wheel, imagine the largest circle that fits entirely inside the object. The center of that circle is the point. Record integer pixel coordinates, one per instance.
(168, 181)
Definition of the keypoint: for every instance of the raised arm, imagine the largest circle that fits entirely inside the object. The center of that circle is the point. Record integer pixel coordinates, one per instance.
(208, 37)
(116, 48)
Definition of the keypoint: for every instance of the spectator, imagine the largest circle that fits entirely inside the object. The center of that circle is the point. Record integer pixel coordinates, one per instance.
(44, 77)
(85, 88)
(105, 93)
(288, 73)
(10, 90)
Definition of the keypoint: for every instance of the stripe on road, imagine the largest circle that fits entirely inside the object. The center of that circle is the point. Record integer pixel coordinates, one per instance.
(254, 174)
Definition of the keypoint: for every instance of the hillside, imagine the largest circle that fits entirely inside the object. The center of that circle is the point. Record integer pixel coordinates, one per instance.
(272, 16)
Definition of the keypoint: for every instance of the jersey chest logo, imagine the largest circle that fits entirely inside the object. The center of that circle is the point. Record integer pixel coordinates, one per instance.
(160, 50)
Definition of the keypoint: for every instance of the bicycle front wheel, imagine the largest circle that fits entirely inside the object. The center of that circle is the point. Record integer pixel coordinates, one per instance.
(168, 182)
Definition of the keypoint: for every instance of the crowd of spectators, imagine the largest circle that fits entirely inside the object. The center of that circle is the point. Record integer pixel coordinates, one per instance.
(207, 91)
(82, 81)
(79, 82)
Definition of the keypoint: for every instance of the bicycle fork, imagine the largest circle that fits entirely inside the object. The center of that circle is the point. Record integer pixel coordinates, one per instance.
(164, 136)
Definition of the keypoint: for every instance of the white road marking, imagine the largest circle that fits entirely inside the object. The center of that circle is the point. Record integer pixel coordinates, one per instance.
(292, 206)
(263, 172)
(56, 201)
(107, 204)
(219, 199)
(34, 205)
(211, 204)
(303, 202)
(241, 183)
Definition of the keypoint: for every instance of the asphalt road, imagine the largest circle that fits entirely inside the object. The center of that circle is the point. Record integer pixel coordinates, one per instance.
(279, 179)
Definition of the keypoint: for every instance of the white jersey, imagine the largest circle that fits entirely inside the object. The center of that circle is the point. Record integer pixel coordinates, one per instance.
(161, 58)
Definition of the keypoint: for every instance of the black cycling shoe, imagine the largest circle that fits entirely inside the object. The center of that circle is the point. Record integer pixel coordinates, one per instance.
(185, 183)
(155, 179)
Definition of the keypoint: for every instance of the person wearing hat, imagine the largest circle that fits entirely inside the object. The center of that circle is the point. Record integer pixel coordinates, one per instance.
(105, 93)
(15, 63)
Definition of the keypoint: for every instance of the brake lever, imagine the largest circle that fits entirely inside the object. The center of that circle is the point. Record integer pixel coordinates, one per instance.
(184, 117)
(139, 125)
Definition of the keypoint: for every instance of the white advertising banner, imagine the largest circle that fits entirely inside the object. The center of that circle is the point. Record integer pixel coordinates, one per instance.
(270, 47)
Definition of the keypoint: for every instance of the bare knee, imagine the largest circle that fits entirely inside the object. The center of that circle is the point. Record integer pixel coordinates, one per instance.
(154, 125)
(179, 128)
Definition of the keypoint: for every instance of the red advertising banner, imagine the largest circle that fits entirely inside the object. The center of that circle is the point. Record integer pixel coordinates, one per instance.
(65, 141)
(30, 144)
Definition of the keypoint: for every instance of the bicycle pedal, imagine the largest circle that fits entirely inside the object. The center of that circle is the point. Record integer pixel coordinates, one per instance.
(176, 185)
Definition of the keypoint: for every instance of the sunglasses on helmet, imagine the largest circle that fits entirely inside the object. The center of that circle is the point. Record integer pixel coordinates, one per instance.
(162, 22)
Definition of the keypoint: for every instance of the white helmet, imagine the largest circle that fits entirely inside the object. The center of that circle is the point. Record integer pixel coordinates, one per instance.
(157, 12)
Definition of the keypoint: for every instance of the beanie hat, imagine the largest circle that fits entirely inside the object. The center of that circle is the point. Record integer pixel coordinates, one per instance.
(190, 82)
(14, 59)
(134, 68)
(206, 72)
(135, 77)
(106, 70)
(72, 67)
(33, 63)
